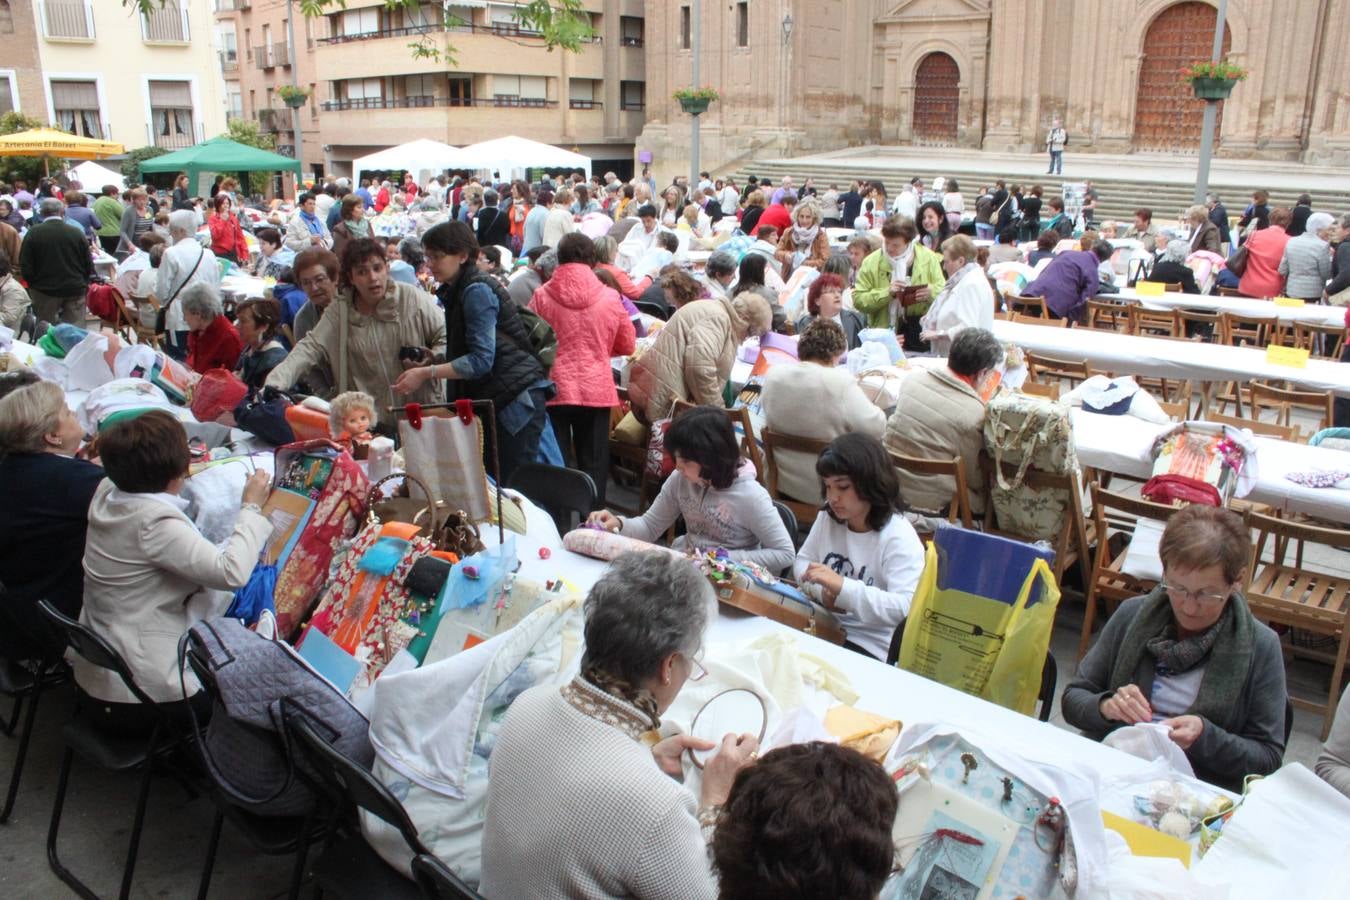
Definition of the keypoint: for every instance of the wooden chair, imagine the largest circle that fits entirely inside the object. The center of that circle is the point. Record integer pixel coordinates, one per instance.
(129, 322)
(1177, 411)
(629, 458)
(775, 442)
(1300, 597)
(1265, 429)
(1108, 315)
(1321, 341)
(1043, 368)
(1173, 287)
(1036, 389)
(1250, 331)
(1028, 306)
(1199, 323)
(1115, 514)
(1154, 322)
(1229, 292)
(958, 510)
(1033, 320)
(741, 417)
(1070, 543)
(1262, 397)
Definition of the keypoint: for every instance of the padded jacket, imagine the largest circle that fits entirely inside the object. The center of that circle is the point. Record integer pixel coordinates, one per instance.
(591, 325)
(938, 416)
(872, 289)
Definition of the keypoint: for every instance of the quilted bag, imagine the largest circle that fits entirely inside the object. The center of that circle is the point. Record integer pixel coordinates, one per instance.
(1196, 462)
(1030, 433)
(244, 746)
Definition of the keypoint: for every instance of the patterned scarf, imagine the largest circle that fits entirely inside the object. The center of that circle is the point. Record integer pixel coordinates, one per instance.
(804, 237)
(617, 687)
(358, 228)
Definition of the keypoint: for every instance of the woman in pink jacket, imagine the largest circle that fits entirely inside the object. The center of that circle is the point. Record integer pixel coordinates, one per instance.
(592, 326)
(1265, 249)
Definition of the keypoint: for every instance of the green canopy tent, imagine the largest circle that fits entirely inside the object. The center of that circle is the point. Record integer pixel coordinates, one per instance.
(218, 155)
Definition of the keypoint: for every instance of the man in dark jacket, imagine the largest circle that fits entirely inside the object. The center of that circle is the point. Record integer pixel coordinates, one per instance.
(1298, 216)
(1219, 216)
(56, 262)
(850, 205)
(491, 225)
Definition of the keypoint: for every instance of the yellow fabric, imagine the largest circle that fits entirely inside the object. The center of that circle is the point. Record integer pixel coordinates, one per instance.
(868, 733)
(630, 431)
(977, 645)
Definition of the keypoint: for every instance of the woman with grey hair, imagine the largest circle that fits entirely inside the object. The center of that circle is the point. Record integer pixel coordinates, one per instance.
(212, 341)
(1171, 267)
(607, 817)
(1204, 233)
(605, 249)
(1306, 264)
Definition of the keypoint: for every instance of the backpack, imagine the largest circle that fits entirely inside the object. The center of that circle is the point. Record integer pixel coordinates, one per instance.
(1030, 433)
(244, 746)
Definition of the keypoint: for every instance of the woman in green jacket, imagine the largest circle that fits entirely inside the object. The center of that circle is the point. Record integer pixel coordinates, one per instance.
(901, 262)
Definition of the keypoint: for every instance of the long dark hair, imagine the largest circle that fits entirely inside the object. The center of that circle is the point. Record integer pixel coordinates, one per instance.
(944, 227)
(863, 460)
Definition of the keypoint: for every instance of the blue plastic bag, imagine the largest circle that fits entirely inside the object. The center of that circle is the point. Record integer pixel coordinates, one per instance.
(251, 599)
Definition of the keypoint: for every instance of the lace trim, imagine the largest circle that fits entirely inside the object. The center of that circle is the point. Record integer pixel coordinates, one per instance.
(605, 708)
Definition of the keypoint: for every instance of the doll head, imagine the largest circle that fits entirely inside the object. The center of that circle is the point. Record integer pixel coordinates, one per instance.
(352, 413)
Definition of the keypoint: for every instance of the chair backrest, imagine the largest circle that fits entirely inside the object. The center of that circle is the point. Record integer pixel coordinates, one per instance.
(1036, 389)
(559, 490)
(1107, 315)
(1230, 292)
(93, 649)
(1200, 317)
(1032, 306)
(915, 466)
(1042, 367)
(741, 417)
(1255, 331)
(1265, 429)
(1154, 322)
(1283, 402)
(438, 881)
(789, 522)
(1072, 535)
(652, 309)
(348, 779)
(775, 442)
(1037, 320)
(1172, 286)
(1330, 345)
(1178, 411)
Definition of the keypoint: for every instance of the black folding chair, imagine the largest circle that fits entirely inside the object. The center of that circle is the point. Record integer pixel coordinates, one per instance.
(24, 680)
(439, 882)
(652, 309)
(558, 490)
(790, 523)
(84, 737)
(348, 866)
(1049, 672)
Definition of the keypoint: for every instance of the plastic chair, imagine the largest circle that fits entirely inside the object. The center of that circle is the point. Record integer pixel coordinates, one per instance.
(789, 522)
(559, 490)
(112, 753)
(439, 882)
(24, 681)
(349, 866)
(1049, 673)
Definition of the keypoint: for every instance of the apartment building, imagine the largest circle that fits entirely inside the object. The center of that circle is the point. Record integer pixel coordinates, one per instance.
(257, 58)
(20, 67)
(108, 71)
(376, 93)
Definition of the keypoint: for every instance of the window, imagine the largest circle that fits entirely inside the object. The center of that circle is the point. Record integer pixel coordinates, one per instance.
(630, 31)
(9, 94)
(77, 108)
(313, 100)
(632, 95)
(461, 90)
(234, 102)
(520, 90)
(743, 24)
(420, 90)
(684, 28)
(6, 19)
(457, 16)
(171, 113)
(67, 19)
(584, 93)
(360, 21)
(248, 43)
(229, 50)
(166, 23)
(362, 93)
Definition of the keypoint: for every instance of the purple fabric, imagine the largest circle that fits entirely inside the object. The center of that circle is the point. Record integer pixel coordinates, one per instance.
(1067, 283)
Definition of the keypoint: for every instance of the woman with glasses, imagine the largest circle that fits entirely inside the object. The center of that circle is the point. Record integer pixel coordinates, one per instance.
(608, 815)
(1189, 656)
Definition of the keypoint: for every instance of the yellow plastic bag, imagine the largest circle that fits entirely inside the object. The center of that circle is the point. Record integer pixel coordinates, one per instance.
(990, 646)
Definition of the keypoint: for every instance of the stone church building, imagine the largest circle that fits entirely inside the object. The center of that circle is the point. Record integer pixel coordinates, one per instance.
(806, 76)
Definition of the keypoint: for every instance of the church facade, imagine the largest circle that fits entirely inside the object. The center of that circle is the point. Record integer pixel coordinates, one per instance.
(807, 76)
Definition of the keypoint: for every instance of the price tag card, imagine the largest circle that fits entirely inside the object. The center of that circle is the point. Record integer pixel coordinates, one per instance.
(1289, 301)
(1150, 289)
(1293, 357)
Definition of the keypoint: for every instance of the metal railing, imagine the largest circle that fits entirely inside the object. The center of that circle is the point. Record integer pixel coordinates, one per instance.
(422, 102)
(633, 105)
(167, 24)
(500, 29)
(262, 57)
(630, 41)
(174, 141)
(281, 53)
(229, 61)
(585, 104)
(67, 19)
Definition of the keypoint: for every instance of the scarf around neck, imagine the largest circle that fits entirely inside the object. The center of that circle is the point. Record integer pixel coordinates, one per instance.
(1150, 646)
(358, 228)
(805, 237)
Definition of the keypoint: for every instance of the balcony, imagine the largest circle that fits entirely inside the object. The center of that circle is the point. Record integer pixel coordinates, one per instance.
(423, 102)
(458, 121)
(232, 5)
(273, 120)
(68, 20)
(585, 104)
(229, 62)
(263, 57)
(166, 25)
(281, 53)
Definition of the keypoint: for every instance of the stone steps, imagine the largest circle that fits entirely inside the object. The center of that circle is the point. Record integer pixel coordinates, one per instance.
(1120, 194)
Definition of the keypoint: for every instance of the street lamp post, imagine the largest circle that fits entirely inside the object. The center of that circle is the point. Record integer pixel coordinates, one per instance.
(695, 46)
(1211, 114)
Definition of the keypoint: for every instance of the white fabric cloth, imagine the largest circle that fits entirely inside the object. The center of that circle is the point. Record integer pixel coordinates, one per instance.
(1246, 306)
(968, 304)
(880, 568)
(177, 269)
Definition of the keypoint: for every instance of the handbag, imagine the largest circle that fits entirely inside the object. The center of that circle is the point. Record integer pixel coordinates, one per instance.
(244, 747)
(1195, 462)
(1340, 298)
(1237, 262)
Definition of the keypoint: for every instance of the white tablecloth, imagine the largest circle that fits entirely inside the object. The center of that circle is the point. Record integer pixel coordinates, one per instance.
(1124, 445)
(1246, 306)
(1124, 354)
(243, 287)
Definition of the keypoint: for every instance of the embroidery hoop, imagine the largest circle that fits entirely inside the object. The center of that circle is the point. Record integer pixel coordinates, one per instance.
(693, 725)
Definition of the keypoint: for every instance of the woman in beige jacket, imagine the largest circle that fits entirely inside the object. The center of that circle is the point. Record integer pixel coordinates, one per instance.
(149, 573)
(359, 339)
(693, 354)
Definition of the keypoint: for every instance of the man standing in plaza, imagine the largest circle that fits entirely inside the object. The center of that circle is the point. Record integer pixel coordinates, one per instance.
(1219, 216)
(56, 262)
(1054, 142)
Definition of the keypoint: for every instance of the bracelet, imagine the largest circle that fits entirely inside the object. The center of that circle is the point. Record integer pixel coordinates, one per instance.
(707, 815)
(251, 507)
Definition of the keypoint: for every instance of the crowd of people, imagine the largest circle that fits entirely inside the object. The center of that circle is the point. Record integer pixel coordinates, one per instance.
(523, 294)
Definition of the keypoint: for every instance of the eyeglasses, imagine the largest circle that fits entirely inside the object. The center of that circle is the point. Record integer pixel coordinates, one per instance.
(1202, 597)
(308, 284)
(696, 670)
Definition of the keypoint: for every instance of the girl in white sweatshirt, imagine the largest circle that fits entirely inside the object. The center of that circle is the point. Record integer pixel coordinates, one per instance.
(862, 556)
(716, 492)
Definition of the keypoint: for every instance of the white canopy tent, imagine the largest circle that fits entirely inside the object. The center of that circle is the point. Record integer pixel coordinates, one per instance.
(511, 153)
(424, 158)
(92, 177)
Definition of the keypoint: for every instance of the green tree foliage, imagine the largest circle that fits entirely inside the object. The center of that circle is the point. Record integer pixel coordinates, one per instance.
(131, 166)
(246, 131)
(29, 168)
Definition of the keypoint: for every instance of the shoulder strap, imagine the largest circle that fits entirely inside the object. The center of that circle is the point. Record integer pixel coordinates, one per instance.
(342, 345)
(201, 254)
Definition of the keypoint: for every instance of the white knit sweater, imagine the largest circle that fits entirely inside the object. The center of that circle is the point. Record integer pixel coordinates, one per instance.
(577, 807)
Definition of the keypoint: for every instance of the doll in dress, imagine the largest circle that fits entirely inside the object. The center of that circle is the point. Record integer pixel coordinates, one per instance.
(350, 417)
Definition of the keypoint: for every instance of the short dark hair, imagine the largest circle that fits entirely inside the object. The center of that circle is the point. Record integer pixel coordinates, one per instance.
(862, 460)
(822, 341)
(704, 435)
(493, 254)
(534, 253)
(646, 211)
(1200, 536)
(1103, 249)
(1144, 213)
(900, 227)
(826, 282)
(1047, 239)
(143, 454)
(807, 820)
(316, 256)
(576, 248)
(765, 232)
(1055, 203)
(451, 237)
(358, 251)
(668, 241)
(4, 264)
(305, 198)
(268, 234)
(974, 350)
(1009, 235)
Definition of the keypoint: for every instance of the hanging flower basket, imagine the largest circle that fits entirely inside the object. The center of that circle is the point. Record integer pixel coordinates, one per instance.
(1212, 88)
(292, 96)
(694, 101)
(1213, 80)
